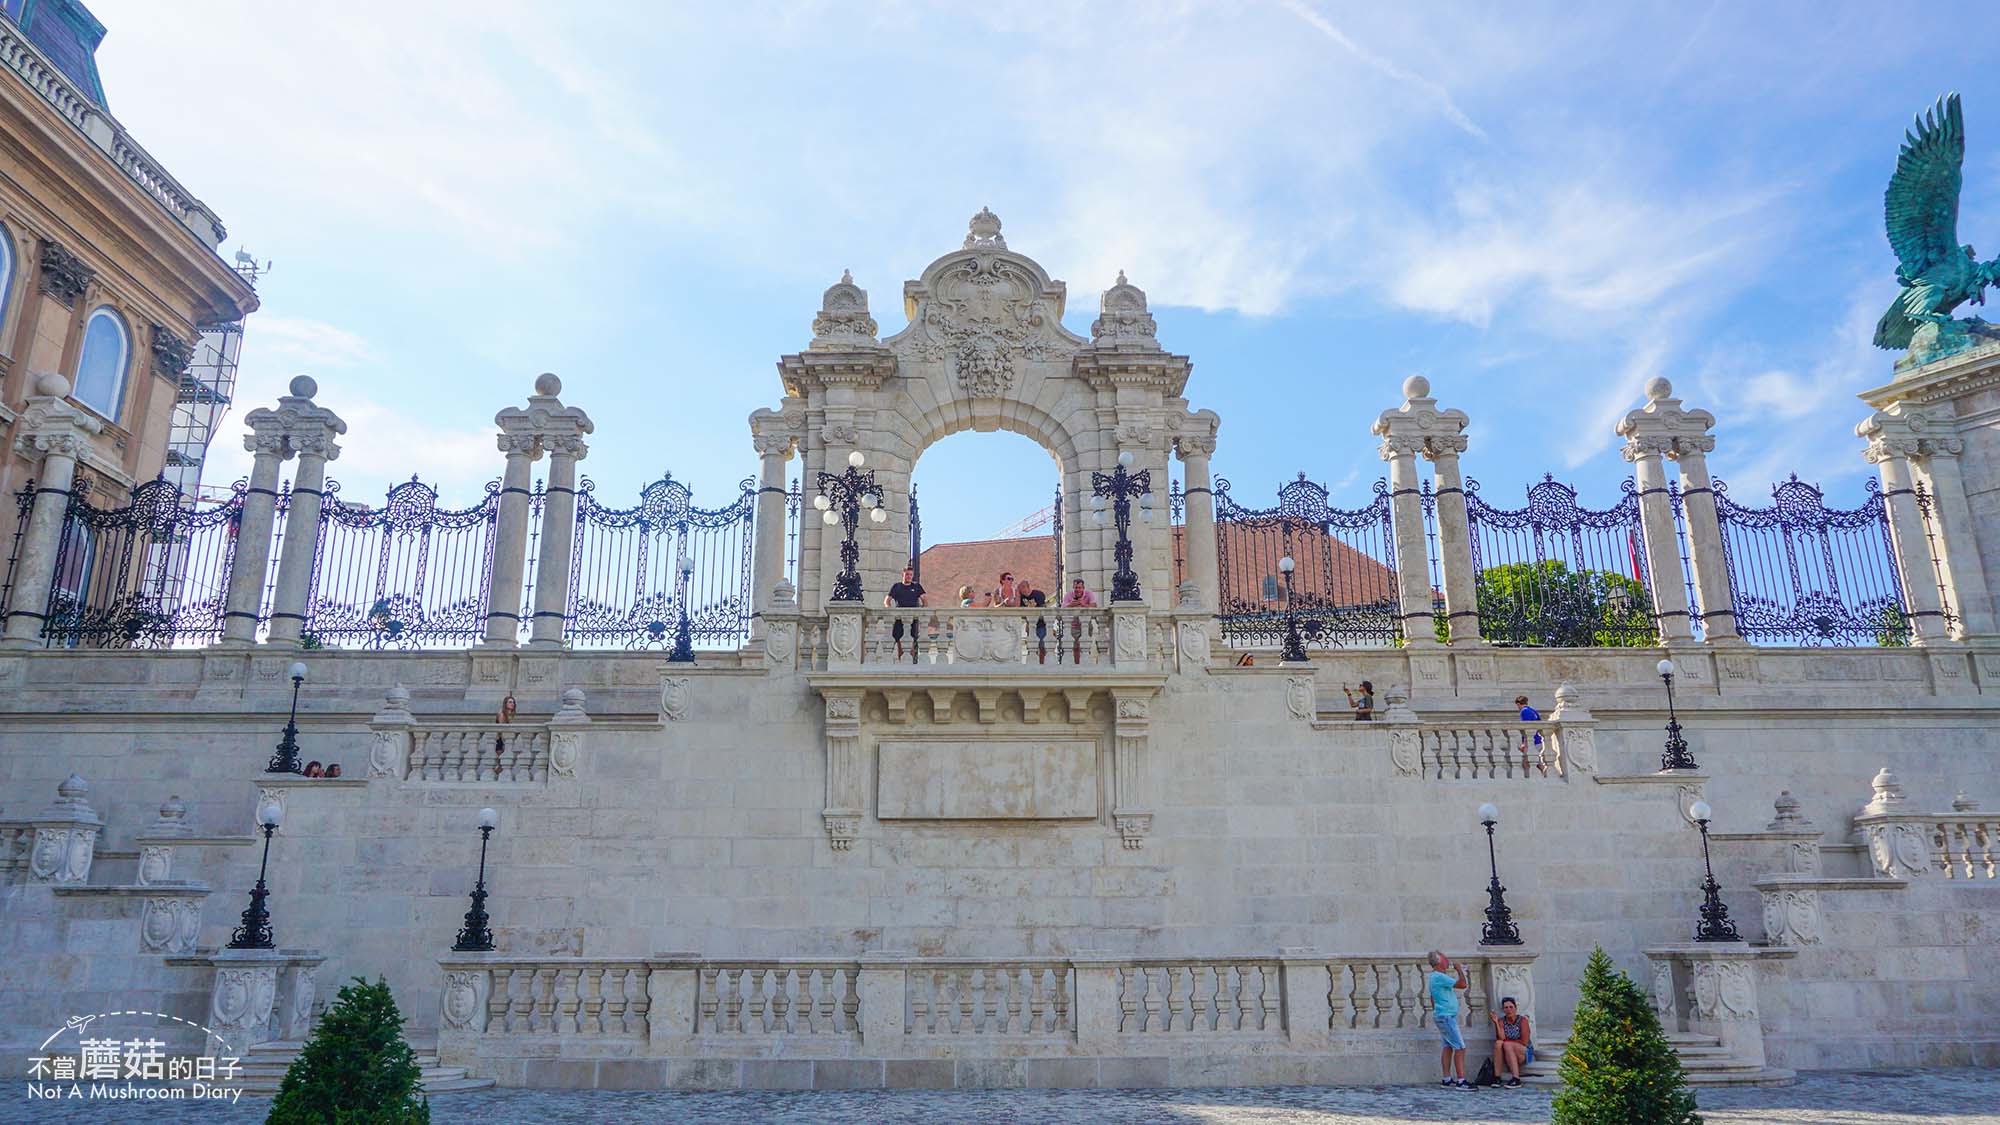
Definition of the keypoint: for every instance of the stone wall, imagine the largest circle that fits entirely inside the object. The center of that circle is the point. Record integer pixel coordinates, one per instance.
(690, 818)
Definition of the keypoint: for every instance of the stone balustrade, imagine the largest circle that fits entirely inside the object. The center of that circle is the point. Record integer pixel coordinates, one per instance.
(990, 636)
(1906, 843)
(102, 130)
(887, 1005)
(457, 752)
(1480, 749)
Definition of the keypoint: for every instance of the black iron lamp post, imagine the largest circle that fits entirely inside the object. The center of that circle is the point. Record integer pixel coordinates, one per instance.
(286, 760)
(1499, 928)
(1295, 646)
(1676, 756)
(841, 500)
(255, 931)
(1121, 486)
(1715, 924)
(476, 936)
(683, 651)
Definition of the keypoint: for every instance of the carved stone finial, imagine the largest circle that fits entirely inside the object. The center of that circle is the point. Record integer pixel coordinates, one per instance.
(984, 231)
(1786, 816)
(71, 800)
(1664, 428)
(1123, 320)
(398, 696)
(303, 386)
(547, 385)
(1416, 387)
(172, 820)
(1888, 790)
(784, 595)
(843, 323)
(52, 384)
(572, 706)
(1963, 803)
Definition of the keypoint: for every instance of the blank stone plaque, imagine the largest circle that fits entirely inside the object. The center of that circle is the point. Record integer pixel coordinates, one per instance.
(987, 780)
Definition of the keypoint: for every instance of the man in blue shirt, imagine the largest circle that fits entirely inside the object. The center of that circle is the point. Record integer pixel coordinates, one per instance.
(1445, 987)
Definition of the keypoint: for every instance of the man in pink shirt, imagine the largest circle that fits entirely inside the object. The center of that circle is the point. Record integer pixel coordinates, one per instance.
(1079, 597)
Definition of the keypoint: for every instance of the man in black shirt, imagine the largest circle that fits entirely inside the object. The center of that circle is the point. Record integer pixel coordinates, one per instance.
(907, 594)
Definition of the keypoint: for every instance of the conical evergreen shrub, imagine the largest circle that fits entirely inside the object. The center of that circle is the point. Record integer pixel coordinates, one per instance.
(1618, 1068)
(356, 1069)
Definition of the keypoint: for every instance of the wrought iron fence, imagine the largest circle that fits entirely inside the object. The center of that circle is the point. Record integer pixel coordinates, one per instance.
(1176, 532)
(1557, 574)
(408, 574)
(24, 502)
(637, 570)
(1344, 583)
(1804, 574)
(153, 573)
(794, 500)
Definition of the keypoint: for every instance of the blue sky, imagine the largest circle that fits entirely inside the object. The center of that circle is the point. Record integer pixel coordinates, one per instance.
(1539, 210)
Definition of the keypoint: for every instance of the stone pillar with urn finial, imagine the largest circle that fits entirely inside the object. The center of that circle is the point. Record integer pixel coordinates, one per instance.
(56, 434)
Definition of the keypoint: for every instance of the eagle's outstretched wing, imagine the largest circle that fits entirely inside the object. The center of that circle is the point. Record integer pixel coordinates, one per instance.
(1921, 205)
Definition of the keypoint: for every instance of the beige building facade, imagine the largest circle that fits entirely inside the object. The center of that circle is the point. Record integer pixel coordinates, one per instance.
(108, 274)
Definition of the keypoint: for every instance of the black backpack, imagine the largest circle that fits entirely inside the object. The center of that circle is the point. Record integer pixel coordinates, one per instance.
(1486, 1075)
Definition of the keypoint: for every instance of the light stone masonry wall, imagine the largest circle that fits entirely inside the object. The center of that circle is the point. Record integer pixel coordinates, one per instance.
(702, 832)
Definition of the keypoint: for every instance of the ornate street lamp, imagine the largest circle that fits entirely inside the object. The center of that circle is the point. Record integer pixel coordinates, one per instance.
(1121, 486)
(476, 936)
(1676, 756)
(683, 651)
(841, 500)
(1295, 646)
(286, 760)
(1499, 928)
(1715, 924)
(255, 932)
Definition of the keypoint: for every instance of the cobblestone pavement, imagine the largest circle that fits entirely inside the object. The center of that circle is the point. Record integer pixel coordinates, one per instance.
(1931, 1097)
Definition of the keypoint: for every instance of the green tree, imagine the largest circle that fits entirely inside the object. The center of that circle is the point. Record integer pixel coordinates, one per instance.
(1618, 1068)
(356, 1069)
(1547, 603)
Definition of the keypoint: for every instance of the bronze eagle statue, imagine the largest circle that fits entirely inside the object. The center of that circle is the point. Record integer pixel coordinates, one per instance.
(1920, 210)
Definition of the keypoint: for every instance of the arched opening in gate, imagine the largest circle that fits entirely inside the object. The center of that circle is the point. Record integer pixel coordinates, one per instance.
(983, 505)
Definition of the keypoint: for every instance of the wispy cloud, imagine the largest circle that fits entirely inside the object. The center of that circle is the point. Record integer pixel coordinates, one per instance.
(1434, 91)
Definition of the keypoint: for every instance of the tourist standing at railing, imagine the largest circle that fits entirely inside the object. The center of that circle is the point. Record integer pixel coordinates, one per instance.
(1530, 715)
(1005, 595)
(1030, 596)
(965, 597)
(1080, 597)
(907, 594)
(1445, 987)
(1363, 704)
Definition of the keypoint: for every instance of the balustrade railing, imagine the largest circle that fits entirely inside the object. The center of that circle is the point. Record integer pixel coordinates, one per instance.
(1460, 752)
(582, 998)
(478, 752)
(993, 635)
(778, 998)
(1009, 998)
(1166, 996)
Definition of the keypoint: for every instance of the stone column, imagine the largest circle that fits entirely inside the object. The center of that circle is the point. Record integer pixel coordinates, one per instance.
(311, 430)
(56, 432)
(510, 542)
(558, 430)
(767, 564)
(1664, 429)
(882, 986)
(1308, 1007)
(1890, 448)
(1418, 426)
(275, 437)
(1199, 500)
(1925, 439)
(1461, 585)
(1704, 531)
(253, 534)
(1653, 432)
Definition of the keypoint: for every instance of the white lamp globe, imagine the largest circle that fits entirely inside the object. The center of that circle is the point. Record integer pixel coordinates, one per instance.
(868, 500)
(829, 517)
(1097, 517)
(272, 814)
(879, 515)
(1700, 811)
(1098, 500)
(1286, 565)
(1488, 814)
(1664, 667)
(821, 502)
(856, 459)
(1125, 458)
(297, 671)
(488, 818)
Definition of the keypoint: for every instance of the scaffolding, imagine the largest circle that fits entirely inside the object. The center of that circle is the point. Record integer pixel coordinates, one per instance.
(205, 391)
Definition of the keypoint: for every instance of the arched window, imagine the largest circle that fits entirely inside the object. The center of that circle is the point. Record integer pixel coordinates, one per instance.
(100, 372)
(6, 272)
